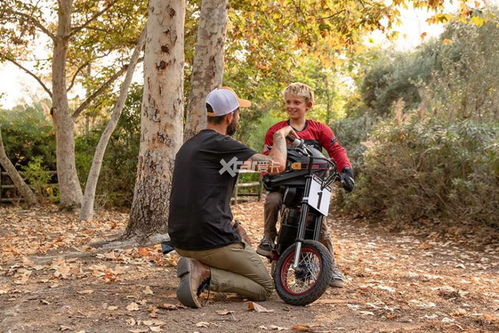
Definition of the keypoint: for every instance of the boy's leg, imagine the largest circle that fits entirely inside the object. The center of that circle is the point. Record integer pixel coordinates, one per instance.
(337, 280)
(273, 203)
(235, 268)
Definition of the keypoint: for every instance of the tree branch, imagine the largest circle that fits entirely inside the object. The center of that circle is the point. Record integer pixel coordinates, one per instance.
(100, 90)
(31, 19)
(75, 30)
(76, 74)
(30, 73)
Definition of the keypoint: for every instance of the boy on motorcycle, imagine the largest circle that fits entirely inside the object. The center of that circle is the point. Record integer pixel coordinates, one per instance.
(299, 99)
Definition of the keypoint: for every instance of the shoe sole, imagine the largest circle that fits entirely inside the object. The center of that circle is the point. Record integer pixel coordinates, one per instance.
(264, 253)
(184, 290)
(337, 284)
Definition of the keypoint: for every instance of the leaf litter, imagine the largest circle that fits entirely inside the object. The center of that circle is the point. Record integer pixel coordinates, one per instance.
(409, 280)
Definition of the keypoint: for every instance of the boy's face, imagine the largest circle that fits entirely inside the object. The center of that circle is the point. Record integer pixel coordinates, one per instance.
(296, 106)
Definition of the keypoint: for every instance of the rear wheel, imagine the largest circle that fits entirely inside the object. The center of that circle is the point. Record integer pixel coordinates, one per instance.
(306, 283)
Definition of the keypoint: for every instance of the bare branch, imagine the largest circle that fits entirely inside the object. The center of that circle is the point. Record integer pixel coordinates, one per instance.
(31, 19)
(100, 90)
(93, 18)
(76, 74)
(30, 73)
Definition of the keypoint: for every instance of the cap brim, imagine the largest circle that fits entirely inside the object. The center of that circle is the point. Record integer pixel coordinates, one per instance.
(243, 103)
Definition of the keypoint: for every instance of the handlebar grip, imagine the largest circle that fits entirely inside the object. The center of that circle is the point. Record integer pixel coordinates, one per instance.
(294, 141)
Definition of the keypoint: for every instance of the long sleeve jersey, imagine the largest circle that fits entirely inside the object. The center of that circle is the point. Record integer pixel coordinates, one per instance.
(318, 135)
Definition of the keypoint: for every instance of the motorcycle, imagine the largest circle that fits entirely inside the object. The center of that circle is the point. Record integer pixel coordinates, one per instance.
(301, 265)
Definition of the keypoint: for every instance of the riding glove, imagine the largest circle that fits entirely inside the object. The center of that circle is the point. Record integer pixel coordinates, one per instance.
(347, 180)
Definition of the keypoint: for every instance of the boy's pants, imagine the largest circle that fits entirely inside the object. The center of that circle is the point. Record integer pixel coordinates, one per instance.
(235, 268)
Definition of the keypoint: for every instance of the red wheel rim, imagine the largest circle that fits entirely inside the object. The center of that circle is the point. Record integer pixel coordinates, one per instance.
(287, 274)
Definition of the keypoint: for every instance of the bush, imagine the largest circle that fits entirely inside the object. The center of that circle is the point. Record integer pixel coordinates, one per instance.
(28, 134)
(430, 169)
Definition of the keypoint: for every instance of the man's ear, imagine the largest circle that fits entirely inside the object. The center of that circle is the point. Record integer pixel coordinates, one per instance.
(228, 118)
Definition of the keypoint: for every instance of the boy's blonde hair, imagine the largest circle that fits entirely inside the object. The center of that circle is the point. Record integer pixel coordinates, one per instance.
(301, 90)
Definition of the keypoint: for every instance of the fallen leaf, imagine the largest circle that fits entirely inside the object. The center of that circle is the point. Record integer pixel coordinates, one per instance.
(367, 313)
(155, 328)
(302, 328)
(224, 312)
(168, 306)
(132, 306)
(143, 252)
(147, 290)
(131, 322)
(257, 307)
(202, 324)
(277, 328)
(65, 328)
(112, 308)
(85, 292)
(154, 322)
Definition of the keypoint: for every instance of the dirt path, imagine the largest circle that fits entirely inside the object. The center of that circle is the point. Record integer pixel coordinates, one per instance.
(396, 283)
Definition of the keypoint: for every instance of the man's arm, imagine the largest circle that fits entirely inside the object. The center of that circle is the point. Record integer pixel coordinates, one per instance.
(275, 162)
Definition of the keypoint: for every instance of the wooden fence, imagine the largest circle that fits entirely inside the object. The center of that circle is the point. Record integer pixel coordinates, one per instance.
(8, 191)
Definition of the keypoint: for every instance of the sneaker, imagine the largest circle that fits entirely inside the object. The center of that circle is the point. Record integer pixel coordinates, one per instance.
(337, 281)
(265, 247)
(194, 278)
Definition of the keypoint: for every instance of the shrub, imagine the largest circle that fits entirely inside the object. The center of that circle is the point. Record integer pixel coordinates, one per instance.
(430, 169)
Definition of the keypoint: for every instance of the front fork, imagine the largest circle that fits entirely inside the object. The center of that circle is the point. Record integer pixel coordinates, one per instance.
(303, 223)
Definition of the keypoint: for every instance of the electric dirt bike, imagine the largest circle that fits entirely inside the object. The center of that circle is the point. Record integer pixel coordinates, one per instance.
(301, 265)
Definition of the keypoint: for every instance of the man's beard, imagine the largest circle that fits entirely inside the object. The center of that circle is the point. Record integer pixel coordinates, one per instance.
(231, 129)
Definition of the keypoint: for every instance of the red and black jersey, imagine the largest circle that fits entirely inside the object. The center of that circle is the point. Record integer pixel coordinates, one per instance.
(318, 135)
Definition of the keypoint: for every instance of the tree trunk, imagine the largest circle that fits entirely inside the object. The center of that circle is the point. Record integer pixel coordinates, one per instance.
(87, 210)
(69, 184)
(208, 64)
(161, 117)
(19, 183)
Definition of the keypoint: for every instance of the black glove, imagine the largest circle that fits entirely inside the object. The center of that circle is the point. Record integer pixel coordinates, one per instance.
(347, 180)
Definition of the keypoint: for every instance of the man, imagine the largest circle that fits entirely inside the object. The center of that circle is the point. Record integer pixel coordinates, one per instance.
(200, 223)
(299, 99)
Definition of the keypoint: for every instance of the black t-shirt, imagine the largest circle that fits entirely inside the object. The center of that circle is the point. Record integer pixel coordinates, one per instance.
(200, 212)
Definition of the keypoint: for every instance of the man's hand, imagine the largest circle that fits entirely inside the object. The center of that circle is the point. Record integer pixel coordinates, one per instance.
(244, 236)
(347, 180)
(285, 131)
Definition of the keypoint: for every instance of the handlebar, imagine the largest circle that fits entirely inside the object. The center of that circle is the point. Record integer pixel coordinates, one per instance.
(300, 144)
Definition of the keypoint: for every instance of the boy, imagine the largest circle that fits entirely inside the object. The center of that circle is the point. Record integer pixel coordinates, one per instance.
(299, 98)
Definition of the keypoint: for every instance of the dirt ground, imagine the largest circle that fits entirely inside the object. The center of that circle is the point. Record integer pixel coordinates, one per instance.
(404, 281)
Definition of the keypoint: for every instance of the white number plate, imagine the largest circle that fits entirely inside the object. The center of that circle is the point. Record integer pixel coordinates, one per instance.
(319, 199)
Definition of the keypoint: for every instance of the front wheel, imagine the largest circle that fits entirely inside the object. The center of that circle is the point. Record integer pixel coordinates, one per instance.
(310, 279)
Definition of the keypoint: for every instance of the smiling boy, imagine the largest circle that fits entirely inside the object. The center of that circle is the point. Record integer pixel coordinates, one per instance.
(299, 99)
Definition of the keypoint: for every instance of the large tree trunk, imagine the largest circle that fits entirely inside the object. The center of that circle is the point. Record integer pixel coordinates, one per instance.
(19, 183)
(69, 184)
(161, 117)
(87, 209)
(208, 64)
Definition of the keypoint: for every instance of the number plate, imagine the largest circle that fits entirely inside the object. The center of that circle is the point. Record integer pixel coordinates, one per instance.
(319, 199)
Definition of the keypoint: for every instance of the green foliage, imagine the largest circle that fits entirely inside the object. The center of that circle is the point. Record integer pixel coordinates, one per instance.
(457, 75)
(117, 177)
(28, 133)
(40, 179)
(430, 169)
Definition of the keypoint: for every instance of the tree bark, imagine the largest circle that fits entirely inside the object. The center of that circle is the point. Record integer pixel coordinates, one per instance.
(19, 183)
(69, 184)
(161, 117)
(208, 63)
(87, 210)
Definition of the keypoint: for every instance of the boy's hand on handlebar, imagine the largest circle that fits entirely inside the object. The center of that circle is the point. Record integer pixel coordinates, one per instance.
(347, 180)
